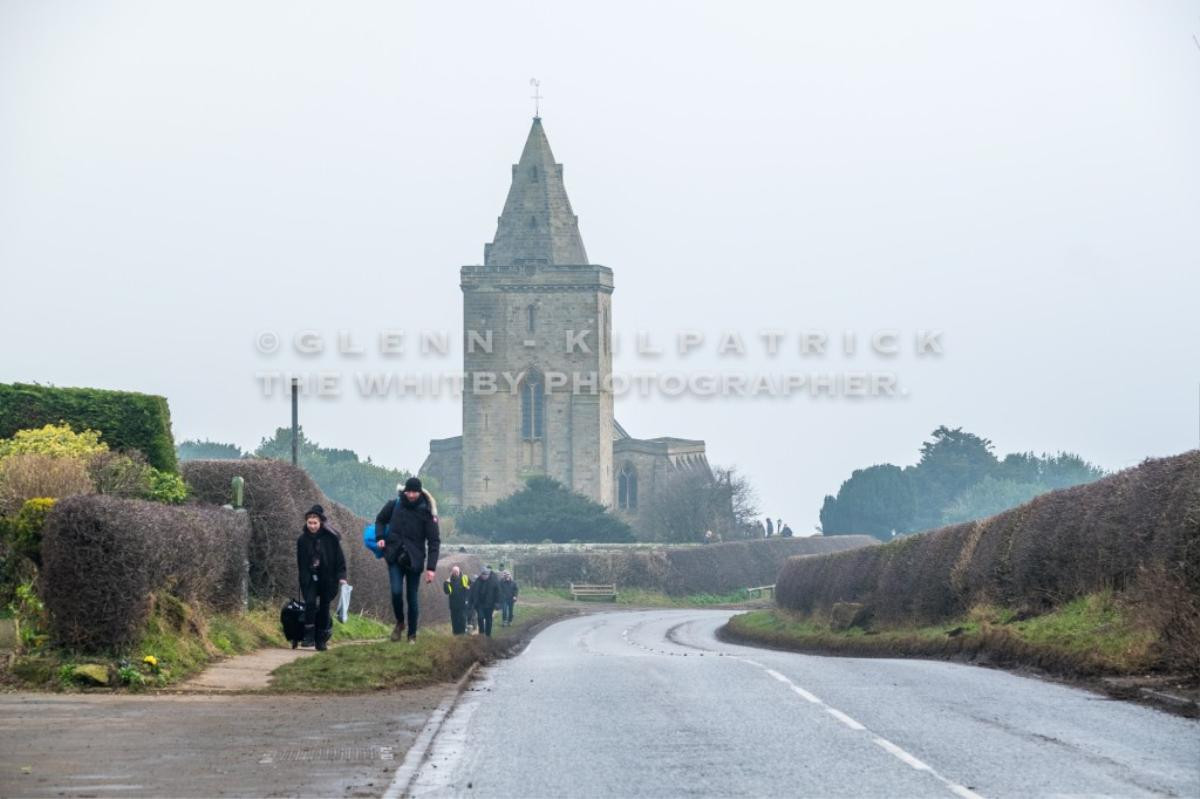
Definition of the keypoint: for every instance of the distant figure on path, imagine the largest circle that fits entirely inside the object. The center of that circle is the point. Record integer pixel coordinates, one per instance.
(458, 588)
(322, 568)
(405, 528)
(485, 593)
(508, 598)
(770, 528)
(786, 532)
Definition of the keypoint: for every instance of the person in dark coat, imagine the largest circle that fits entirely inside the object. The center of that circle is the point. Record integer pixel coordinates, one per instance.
(485, 593)
(407, 530)
(508, 598)
(458, 588)
(322, 568)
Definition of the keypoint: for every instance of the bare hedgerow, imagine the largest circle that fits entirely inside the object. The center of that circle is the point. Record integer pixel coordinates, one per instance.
(277, 495)
(104, 558)
(1141, 525)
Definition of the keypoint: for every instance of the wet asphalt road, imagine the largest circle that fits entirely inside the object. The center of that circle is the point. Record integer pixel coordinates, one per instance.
(651, 704)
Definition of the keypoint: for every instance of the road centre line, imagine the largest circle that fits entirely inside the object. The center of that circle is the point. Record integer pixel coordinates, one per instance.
(895, 751)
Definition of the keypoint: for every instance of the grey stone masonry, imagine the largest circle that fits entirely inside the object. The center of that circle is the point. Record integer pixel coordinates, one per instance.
(536, 309)
(537, 224)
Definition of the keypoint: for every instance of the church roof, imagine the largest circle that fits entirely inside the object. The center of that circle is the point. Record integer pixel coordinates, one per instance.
(619, 432)
(537, 225)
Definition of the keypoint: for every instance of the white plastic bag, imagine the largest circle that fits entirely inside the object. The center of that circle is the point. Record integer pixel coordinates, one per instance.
(343, 608)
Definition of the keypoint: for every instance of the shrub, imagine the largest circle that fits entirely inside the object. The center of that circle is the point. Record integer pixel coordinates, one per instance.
(23, 532)
(545, 509)
(125, 420)
(128, 475)
(29, 475)
(166, 487)
(105, 558)
(58, 441)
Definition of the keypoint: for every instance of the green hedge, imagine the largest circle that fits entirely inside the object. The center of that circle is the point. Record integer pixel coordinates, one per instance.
(125, 420)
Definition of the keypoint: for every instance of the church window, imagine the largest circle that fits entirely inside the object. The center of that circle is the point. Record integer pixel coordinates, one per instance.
(533, 406)
(530, 318)
(627, 488)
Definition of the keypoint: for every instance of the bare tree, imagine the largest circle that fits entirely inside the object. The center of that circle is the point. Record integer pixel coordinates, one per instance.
(692, 501)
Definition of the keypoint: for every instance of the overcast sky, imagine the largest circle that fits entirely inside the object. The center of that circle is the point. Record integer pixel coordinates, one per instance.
(177, 179)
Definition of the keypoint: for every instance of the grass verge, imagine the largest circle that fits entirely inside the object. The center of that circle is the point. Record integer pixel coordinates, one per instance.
(178, 642)
(438, 656)
(1089, 637)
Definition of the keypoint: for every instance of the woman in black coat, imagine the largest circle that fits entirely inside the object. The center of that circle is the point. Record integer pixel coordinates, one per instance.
(322, 570)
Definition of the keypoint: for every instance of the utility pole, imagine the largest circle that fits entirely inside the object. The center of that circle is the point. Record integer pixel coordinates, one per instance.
(295, 420)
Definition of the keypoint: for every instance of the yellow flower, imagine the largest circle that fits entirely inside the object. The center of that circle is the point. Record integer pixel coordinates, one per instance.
(151, 661)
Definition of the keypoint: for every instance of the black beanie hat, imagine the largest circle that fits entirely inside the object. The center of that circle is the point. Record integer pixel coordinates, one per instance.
(316, 510)
(412, 484)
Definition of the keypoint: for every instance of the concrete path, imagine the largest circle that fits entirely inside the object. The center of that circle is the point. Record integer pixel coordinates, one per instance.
(242, 672)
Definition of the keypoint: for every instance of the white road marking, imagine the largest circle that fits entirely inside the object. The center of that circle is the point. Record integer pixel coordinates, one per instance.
(895, 751)
(843, 718)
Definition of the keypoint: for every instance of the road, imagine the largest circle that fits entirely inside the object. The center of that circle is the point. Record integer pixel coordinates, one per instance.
(652, 704)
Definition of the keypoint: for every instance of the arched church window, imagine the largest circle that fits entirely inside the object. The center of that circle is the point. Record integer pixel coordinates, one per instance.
(627, 488)
(533, 405)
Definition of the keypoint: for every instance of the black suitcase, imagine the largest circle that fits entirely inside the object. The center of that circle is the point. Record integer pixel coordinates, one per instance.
(292, 620)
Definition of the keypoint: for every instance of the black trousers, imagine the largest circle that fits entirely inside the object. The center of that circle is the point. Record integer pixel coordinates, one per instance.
(458, 618)
(316, 612)
(405, 583)
(485, 620)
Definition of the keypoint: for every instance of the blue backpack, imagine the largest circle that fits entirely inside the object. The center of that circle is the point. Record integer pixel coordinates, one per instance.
(369, 540)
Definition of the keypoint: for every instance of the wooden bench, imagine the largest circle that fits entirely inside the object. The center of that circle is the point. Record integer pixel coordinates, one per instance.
(594, 591)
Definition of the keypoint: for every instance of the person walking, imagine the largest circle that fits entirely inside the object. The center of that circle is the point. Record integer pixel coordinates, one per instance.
(508, 598)
(322, 569)
(770, 527)
(457, 588)
(484, 595)
(407, 530)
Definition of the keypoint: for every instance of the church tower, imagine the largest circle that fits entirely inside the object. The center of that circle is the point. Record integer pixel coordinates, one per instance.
(537, 317)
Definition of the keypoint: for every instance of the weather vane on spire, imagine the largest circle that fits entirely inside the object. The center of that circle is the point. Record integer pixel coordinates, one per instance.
(536, 97)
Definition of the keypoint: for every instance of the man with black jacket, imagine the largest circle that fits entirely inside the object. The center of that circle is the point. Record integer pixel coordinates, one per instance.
(485, 593)
(322, 568)
(406, 529)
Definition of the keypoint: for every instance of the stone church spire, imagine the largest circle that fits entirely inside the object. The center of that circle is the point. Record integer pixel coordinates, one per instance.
(537, 225)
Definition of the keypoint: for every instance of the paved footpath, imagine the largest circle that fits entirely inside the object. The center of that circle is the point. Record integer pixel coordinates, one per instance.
(250, 672)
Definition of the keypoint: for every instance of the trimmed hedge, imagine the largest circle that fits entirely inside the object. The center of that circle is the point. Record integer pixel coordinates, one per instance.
(681, 571)
(1138, 526)
(125, 419)
(276, 496)
(105, 558)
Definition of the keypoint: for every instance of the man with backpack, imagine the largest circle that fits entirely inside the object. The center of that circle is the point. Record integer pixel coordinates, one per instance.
(406, 529)
(322, 569)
